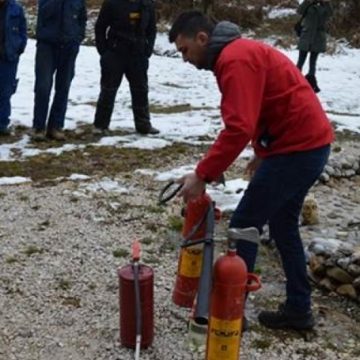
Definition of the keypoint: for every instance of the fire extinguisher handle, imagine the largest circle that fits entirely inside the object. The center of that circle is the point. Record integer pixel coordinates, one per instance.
(253, 283)
(135, 250)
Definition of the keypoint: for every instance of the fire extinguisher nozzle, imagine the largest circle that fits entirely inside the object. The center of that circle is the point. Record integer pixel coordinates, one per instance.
(201, 320)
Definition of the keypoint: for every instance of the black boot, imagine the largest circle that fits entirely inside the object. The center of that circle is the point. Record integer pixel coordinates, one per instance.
(285, 318)
(142, 121)
(313, 82)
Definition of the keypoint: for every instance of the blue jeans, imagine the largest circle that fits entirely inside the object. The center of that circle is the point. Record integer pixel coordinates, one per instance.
(8, 84)
(50, 59)
(275, 195)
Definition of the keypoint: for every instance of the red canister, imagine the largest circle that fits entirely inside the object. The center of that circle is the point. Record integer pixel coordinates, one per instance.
(128, 308)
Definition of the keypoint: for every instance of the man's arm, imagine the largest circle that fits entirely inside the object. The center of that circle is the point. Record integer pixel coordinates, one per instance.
(151, 30)
(82, 20)
(101, 26)
(242, 86)
(49, 8)
(22, 31)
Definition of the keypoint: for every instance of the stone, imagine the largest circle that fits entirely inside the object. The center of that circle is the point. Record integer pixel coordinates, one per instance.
(310, 211)
(317, 266)
(330, 262)
(347, 290)
(356, 283)
(346, 249)
(355, 258)
(324, 177)
(343, 263)
(354, 270)
(346, 164)
(327, 284)
(339, 275)
(329, 170)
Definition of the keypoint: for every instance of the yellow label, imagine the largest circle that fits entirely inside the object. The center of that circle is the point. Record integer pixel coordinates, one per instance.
(224, 339)
(191, 260)
(134, 16)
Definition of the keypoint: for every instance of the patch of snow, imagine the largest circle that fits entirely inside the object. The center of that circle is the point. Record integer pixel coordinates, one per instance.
(78, 177)
(14, 180)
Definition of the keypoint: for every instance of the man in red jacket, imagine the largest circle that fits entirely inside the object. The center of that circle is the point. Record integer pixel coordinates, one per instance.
(265, 101)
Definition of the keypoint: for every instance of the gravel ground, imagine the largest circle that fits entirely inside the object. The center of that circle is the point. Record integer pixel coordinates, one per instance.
(61, 245)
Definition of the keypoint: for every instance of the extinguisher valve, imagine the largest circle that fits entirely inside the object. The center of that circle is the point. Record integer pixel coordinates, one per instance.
(231, 245)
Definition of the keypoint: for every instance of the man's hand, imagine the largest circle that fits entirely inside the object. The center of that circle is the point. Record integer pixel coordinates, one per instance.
(192, 188)
(252, 166)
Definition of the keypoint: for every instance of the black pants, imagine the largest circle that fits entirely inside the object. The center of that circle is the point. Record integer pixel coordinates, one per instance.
(312, 63)
(114, 65)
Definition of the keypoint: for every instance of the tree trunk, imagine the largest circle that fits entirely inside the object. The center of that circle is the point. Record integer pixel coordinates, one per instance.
(208, 6)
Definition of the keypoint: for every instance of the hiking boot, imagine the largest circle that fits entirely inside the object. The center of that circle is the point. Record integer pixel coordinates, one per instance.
(38, 135)
(313, 82)
(284, 318)
(149, 131)
(56, 134)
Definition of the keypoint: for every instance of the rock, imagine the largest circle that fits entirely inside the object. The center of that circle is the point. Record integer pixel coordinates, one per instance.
(343, 263)
(347, 290)
(310, 211)
(325, 247)
(355, 258)
(324, 177)
(346, 249)
(354, 270)
(317, 265)
(329, 170)
(356, 283)
(327, 284)
(346, 164)
(330, 262)
(339, 275)
(342, 234)
(349, 173)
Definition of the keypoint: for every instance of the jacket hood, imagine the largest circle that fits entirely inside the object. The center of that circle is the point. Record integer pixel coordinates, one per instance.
(224, 33)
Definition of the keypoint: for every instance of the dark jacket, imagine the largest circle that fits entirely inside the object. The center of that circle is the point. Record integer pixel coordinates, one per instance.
(61, 21)
(14, 31)
(313, 35)
(115, 28)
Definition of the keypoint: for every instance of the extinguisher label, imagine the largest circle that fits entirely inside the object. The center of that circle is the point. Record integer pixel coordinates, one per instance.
(224, 339)
(191, 260)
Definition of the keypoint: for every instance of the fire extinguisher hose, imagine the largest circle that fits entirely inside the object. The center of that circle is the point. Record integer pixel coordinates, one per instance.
(136, 257)
(205, 282)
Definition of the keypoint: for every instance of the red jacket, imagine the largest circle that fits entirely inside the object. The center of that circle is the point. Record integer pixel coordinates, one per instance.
(265, 98)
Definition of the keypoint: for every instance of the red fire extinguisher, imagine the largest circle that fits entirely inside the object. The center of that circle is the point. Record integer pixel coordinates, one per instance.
(231, 282)
(136, 299)
(190, 259)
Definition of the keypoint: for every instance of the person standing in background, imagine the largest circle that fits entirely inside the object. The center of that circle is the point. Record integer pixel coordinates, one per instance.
(60, 30)
(125, 34)
(12, 44)
(312, 39)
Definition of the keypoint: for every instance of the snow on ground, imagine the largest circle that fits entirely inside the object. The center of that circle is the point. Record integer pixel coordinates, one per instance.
(174, 83)
(279, 12)
(14, 180)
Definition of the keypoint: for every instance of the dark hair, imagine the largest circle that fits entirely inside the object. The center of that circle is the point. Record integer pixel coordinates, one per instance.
(189, 23)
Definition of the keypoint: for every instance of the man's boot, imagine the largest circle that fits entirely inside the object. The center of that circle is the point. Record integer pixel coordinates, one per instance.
(313, 82)
(142, 121)
(286, 318)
